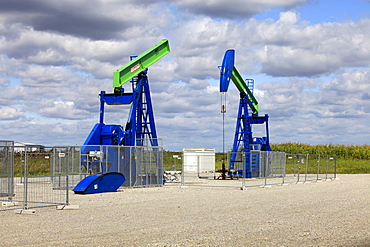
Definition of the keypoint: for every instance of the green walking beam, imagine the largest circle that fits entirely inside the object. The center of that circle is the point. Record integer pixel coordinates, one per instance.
(140, 63)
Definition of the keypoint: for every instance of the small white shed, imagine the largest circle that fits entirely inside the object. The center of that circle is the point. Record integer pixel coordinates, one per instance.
(199, 159)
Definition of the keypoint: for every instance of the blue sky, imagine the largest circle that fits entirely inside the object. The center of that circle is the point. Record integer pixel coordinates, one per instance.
(317, 11)
(335, 11)
(309, 59)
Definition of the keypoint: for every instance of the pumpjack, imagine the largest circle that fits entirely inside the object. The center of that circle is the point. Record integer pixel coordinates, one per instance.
(240, 165)
(140, 128)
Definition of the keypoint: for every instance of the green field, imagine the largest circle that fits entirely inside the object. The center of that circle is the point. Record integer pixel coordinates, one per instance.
(351, 159)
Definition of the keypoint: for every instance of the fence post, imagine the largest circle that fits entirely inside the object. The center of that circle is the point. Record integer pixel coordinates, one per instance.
(130, 165)
(198, 166)
(25, 185)
(182, 171)
(306, 173)
(244, 170)
(159, 161)
(119, 159)
(267, 163)
(21, 175)
(318, 168)
(327, 167)
(335, 167)
(10, 164)
(67, 178)
(299, 169)
(282, 165)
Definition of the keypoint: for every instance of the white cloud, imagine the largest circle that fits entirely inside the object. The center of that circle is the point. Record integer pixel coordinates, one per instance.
(235, 8)
(102, 20)
(293, 49)
(10, 113)
(64, 110)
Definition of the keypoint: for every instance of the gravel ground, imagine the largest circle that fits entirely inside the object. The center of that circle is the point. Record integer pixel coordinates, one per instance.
(330, 213)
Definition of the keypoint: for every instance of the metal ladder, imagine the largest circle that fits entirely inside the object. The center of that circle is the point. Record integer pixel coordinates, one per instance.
(250, 84)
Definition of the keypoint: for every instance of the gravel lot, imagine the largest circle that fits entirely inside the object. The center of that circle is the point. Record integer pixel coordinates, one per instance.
(330, 213)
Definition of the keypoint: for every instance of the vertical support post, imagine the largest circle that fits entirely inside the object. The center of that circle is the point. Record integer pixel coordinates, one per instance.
(282, 166)
(106, 157)
(130, 165)
(295, 170)
(53, 167)
(21, 175)
(119, 159)
(267, 132)
(244, 175)
(299, 169)
(283, 155)
(10, 157)
(326, 167)
(67, 172)
(101, 120)
(318, 168)
(160, 167)
(335, 166)
(152, 133)
(306, 173)
(59, 170)
(182, 174)
(80, 166)
(25, 185)
(266, 169)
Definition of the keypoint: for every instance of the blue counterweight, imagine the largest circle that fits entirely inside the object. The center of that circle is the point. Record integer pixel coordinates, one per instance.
(100, 183)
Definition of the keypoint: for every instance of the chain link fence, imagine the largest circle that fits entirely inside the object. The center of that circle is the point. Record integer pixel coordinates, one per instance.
(141, 165)
(265, 168)
(33, 183)
(6, 169)
(37, 176)
(301, 168)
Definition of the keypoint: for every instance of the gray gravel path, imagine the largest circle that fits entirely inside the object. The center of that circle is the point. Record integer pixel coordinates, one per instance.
(330, 213)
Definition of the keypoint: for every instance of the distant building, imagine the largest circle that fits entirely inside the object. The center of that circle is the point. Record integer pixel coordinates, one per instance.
(31, 147)
(199, 159)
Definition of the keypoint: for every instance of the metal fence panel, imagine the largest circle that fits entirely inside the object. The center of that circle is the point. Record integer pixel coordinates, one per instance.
(6, 169)
(268, 168)
(310, 167)
(44, 176)
(41, 187)
(65, 166)
(33, 184)
(141, 165)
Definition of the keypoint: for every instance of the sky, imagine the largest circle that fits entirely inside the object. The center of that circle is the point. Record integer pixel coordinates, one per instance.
(309, 60)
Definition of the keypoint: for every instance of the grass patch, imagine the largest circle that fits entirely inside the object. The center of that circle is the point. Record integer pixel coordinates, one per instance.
(353, 166)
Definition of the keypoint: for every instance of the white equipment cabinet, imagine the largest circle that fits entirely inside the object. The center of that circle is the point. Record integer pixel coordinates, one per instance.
(199, 159)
